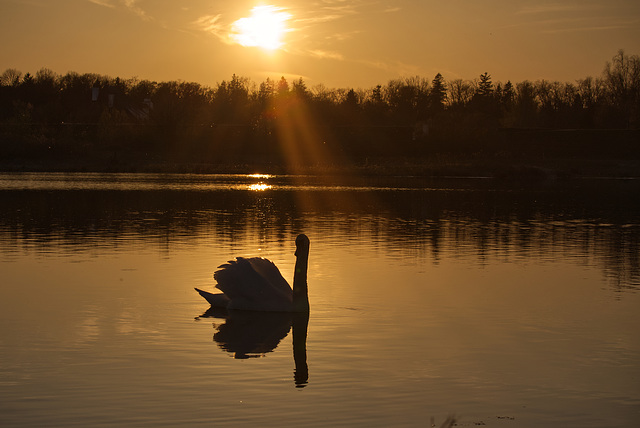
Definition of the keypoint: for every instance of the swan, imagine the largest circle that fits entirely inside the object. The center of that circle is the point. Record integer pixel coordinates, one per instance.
(256, 284)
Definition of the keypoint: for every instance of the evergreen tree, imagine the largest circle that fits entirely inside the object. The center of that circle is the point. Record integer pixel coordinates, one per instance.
(299, 89)
(283, 86)
(508, 94)
(438, 94)
(485, 86)
(376, 95)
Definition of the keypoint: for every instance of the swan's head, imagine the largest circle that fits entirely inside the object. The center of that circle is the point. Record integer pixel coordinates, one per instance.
(302, 244)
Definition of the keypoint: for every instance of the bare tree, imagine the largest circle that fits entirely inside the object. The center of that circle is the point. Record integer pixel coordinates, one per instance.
(10, 77)
(622, 77)
(460, 92)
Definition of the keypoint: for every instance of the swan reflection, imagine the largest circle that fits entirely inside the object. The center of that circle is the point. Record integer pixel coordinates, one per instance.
(253, 334)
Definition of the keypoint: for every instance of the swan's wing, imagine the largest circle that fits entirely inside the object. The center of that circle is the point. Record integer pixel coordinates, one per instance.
(269, 271)
(240, 280)
(236, 278)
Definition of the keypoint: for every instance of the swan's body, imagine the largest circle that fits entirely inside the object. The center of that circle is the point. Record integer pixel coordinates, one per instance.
(257, 284)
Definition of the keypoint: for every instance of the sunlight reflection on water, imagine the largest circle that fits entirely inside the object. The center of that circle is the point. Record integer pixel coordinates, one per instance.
(498, 304)
(259, 187)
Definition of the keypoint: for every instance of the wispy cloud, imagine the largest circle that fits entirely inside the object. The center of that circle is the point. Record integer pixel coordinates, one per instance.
(105, 3)
(215, 25)
(130, 5)
(318, 19)
(396, 67)
(316, 30)
(133, 7)
(553, 18)
(340, 37)
(592, 28)
(318, 53)
(281, 73)
(211, 24)
(331, 22)
(553, 8)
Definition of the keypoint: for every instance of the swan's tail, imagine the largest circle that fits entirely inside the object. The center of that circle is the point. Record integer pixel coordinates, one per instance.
(217, 300)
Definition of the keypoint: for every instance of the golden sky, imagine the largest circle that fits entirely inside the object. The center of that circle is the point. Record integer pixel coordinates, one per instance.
(339, 43)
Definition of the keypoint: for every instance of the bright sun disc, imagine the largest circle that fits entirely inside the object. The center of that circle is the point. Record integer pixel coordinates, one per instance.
(264, 28)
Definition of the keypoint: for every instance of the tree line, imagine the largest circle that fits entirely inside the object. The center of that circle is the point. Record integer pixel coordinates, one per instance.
(238, 119)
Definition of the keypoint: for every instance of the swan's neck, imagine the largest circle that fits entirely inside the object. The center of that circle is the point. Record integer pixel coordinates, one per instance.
(300, 292)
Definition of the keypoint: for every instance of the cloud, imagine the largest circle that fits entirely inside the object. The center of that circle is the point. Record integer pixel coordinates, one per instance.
(552, 8)
(130, 5)
(339, 37)
(318, 19)
(216, 26)
(288, 76)
(591, 28)
(567, 18)
(318, 53)
(105, 3)
(133, 7)
(233, 32)
(211, 24)
(312, 29)
(554, 18)
(395, 67)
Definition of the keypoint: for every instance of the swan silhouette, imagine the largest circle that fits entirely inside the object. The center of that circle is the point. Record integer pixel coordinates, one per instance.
(256, 284)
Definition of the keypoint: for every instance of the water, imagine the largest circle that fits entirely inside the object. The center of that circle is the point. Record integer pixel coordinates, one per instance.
(504, 305)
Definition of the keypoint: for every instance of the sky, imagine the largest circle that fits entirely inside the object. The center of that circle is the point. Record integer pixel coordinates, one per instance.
(336, 43)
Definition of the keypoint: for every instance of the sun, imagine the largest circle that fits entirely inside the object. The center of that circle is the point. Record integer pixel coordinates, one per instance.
(264, 28)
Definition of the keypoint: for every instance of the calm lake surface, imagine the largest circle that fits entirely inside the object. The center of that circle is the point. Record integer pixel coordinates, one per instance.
(502, 304)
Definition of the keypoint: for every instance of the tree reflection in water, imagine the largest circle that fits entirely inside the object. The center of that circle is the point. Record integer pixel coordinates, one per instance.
(596, 220)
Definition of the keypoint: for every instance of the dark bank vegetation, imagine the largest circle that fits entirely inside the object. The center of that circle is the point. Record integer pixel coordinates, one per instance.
(90, 121)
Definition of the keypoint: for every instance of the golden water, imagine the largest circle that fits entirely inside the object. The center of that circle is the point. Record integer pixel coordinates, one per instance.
(504, 305)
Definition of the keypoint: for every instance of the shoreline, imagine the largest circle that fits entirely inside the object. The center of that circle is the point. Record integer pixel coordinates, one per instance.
(501, 169)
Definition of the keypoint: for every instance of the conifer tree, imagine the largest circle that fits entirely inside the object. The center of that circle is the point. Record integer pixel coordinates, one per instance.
(438, 94)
